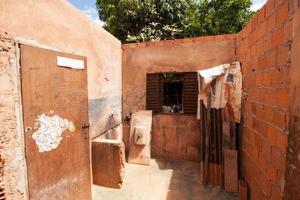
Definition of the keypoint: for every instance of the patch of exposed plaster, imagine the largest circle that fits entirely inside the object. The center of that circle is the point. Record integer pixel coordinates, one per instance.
(49, 131)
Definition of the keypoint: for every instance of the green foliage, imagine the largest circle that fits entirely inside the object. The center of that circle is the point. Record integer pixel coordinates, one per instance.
(151, 20)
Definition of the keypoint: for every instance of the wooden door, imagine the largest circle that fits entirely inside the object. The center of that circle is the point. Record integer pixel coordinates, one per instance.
(57, 155)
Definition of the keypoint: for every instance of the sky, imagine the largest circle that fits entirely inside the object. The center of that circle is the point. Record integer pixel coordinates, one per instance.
(89, 8)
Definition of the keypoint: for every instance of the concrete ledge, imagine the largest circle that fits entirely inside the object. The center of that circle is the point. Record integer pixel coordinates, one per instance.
(108, 162)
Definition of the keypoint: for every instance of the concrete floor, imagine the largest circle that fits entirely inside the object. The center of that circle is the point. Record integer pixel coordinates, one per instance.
(162, 180)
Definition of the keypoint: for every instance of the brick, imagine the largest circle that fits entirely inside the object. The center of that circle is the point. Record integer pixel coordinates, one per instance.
(254, 23)
(258, 78)
(253, 50)
(267, 79)
(253, 95)
(250, 135)
(261, 14)
(282, 55)
(288, 26)
(248, 120)
(258, 142)
(279, 119)
(272, 134)
(275, 193)
(259, 111)
(281, 142)
(271, 58)
(278, 3)
(261, 31)
(265, 185)
(270, 7)
(269, 97)
(262, 62)
(280, 76)
(260, 126)
(277, 159)
(266, 149)
(267, 42)
(250, 151)
(268, 113)
(262, 162)
(248, 107)
(272, 173)
(260, 46)
(283, 97)
(277, 37)
(282, 13)
(280, 180)
(271, 22)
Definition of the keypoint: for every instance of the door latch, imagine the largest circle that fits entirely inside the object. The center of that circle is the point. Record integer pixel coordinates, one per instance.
(86, 126)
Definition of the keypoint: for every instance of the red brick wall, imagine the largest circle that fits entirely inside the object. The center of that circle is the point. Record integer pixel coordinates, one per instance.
(175, 137)
(264, 48)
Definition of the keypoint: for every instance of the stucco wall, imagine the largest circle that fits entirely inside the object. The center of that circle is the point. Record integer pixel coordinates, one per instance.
(59, 25)
(11, 145)
(183, 55)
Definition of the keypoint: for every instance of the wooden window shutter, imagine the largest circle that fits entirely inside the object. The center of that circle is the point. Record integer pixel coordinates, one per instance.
(154, 92)
(190, 92)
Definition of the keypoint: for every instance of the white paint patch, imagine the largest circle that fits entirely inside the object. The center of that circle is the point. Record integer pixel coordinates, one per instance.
(70, 62)
(49, 131)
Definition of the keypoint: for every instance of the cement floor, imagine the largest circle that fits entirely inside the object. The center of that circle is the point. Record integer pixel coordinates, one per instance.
(162, 180)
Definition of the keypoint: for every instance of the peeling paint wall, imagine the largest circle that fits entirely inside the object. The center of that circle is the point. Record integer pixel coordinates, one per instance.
(60, 25)
(11, 139)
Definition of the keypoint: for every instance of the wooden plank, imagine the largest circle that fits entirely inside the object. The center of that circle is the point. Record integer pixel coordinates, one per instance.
(190, 92)
(207, 139)
(230, 170)
(203, 126)
(63, 171)
(243, 190)
(154, 92)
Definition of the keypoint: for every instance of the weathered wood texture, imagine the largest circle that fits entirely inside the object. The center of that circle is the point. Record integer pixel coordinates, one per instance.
(140, 154)
(190, 92)
(243, 190)
(230, 170)
(154, 92)
(108, 162)
(63, 173)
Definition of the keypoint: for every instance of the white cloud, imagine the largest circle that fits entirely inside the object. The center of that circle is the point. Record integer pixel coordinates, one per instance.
(92, 13)
(257, 4)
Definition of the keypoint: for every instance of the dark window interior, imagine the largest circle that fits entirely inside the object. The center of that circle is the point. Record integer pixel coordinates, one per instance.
(172, 92)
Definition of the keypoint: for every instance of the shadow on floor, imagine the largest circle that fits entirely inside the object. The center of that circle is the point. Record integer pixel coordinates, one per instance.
(162, 180)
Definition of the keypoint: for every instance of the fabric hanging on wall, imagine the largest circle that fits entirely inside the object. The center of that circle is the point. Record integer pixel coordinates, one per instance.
(224, 84)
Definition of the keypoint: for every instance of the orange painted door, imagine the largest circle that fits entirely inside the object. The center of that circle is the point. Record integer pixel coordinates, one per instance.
(55, 114)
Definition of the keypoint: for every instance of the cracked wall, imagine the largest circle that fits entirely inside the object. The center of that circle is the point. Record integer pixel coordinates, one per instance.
(11, 146)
